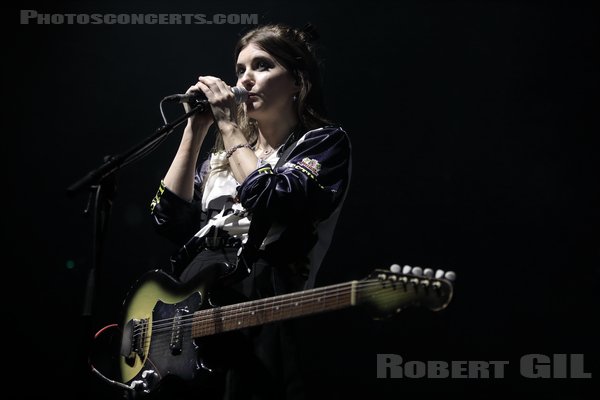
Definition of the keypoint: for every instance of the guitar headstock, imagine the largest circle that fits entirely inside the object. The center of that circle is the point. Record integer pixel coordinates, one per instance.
(389, 291)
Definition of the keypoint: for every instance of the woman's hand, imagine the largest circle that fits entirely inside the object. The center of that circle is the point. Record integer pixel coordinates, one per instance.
(199, 122)
(221, 99)
(224, 110)
(180, 176)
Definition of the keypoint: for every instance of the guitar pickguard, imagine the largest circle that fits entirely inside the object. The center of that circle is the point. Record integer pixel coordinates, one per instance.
(157, 338)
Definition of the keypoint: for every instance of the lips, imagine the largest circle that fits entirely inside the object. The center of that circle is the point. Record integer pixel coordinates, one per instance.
(252, 97)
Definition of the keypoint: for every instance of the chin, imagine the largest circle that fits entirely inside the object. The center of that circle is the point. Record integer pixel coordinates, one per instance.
(254, 113)
(251, 107)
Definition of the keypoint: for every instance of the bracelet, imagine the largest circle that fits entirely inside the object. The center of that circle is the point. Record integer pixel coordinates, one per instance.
(234, 148)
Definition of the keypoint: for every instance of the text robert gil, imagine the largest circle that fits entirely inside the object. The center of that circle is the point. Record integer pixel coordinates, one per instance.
(530, 366)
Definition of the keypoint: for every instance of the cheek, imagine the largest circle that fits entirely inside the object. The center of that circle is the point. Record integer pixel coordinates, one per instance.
(280, 82)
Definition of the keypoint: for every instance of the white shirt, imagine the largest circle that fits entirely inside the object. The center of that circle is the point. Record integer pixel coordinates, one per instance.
(218, 199)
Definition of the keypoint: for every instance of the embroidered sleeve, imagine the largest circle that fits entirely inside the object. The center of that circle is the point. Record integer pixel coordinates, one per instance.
(174, 217)
(312, 181)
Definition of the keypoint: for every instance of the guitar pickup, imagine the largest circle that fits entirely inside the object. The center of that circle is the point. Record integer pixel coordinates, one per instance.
(175, 345)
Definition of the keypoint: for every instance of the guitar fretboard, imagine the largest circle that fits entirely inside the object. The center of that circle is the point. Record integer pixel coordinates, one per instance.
(257, 312)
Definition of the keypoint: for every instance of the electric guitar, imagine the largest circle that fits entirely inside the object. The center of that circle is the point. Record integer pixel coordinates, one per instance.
(166, 322)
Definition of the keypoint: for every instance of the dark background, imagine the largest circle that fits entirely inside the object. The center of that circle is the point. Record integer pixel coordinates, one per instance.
(473, 129)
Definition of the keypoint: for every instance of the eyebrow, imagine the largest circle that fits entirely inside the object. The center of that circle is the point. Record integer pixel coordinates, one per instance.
(256, 58)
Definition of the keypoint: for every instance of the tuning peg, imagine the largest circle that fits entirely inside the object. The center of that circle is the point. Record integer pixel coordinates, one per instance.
(406, 269)
(395, 268)
(450, 275)
(439, 273)
(428, 272)
(417, 271)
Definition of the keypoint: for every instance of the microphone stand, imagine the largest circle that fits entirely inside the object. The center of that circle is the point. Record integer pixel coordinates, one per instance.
(101, 185)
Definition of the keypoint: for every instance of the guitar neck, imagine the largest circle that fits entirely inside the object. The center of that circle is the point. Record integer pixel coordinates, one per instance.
(258, 312)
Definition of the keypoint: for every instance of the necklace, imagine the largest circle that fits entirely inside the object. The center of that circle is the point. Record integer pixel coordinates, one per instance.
(264, 151)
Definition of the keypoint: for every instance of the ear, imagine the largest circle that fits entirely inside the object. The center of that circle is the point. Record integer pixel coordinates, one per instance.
(296, 87)
(297, 83)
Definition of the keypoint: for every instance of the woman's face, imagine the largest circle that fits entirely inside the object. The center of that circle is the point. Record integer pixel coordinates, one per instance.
(271, 86)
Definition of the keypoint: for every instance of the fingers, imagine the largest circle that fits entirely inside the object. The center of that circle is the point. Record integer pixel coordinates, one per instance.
(215, 89)
(219, 96)
(193, 88)
(206, 90)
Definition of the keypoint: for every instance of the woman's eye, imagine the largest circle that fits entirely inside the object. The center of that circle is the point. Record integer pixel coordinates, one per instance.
(262, 65)
(258, 65)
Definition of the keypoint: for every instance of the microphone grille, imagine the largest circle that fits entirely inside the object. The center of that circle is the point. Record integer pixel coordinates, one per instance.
(241, 94)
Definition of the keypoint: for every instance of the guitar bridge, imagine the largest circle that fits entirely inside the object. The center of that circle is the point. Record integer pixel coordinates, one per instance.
(134, 337)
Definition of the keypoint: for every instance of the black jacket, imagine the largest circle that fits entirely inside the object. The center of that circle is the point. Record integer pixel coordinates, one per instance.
(303, 197)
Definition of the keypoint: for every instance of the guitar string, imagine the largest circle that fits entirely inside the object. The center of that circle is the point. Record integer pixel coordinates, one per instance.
(289, 298)
(162, 341)
(285, 300)
(162, 335)
(281, 299)
(204, 329)
(327, 299)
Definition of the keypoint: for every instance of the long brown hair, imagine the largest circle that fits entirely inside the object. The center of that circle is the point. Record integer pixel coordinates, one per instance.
(295, 50)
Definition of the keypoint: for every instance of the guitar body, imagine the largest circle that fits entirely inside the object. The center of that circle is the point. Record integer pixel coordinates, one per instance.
(157, 340)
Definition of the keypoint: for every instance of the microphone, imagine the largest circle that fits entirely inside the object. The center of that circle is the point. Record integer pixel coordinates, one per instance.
(241, 95)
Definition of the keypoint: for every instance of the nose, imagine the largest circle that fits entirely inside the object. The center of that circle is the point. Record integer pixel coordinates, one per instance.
(246, 80)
